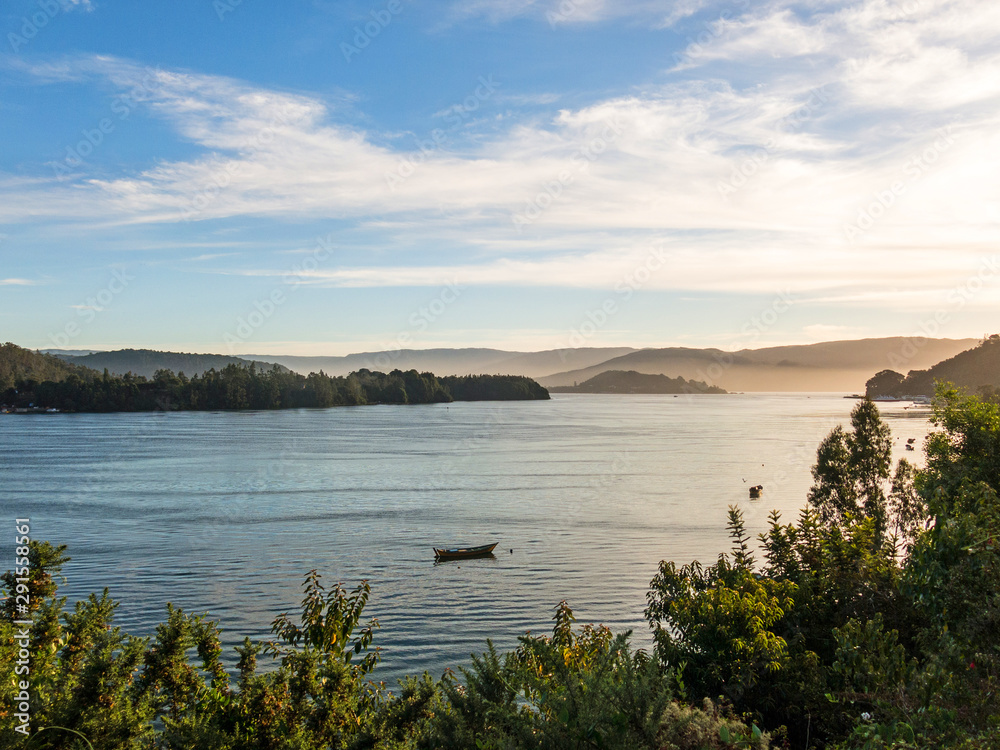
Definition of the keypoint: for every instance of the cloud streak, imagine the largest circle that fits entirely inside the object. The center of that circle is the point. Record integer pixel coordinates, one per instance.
(752, 186)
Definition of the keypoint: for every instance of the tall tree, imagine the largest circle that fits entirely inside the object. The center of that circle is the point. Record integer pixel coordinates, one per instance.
(853, 469)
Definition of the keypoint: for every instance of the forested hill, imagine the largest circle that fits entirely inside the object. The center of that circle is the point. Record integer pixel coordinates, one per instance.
(19, 364)
(147, 361)
(621, 381)
(236, 387)
(977, 370)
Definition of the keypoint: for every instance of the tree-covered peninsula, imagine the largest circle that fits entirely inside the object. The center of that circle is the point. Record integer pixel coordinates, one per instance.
(976, 369)
(630, 381)
(236, 387)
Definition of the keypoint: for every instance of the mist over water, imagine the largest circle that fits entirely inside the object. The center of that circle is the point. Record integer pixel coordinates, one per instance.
(225, 512)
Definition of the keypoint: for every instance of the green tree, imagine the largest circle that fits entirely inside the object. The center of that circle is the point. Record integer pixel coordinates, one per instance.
(884, 383)
(853, 480)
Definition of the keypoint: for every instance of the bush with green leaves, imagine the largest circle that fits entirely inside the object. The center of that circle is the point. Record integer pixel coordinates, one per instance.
(872, 621)
(577, 689)
(90, 680)
(93, 686)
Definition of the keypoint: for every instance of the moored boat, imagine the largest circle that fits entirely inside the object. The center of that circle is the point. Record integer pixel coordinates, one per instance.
(459, 553)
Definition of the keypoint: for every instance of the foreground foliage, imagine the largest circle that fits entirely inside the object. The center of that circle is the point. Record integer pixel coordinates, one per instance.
(870, 623)
(92, 685)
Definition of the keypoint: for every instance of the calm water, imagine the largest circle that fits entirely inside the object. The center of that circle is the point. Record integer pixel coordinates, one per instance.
(225, 512)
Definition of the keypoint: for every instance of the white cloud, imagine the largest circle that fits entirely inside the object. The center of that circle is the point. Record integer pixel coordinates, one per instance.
(825, 277)
(753, 186)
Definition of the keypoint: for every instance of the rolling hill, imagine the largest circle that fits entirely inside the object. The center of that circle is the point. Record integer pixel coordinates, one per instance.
(829, 366)
(18, 363)
(454, 361)
(147, 361)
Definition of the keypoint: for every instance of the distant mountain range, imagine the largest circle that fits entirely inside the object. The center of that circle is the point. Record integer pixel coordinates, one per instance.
(831, 366)
(619, 381)
(455, 361)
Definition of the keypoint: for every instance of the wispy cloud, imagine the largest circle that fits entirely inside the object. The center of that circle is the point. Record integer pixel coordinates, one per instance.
(831, 277)
(210, 256)
(19, 282)
(751, 186)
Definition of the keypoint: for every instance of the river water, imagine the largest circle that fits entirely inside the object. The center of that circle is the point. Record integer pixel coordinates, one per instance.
(224, 513)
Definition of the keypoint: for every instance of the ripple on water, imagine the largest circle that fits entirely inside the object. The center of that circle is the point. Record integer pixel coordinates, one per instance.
(224, 513)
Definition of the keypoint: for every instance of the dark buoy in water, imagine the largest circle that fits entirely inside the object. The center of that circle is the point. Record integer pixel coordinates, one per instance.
(512, 551)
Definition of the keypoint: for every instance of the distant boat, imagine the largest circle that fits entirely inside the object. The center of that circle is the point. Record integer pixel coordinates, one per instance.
(755, 491)
(460, 553)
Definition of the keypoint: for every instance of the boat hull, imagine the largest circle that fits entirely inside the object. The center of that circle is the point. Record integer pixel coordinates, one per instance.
(461, 553)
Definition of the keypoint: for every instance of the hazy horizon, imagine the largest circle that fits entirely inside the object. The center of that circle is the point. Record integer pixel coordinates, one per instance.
(259, 354)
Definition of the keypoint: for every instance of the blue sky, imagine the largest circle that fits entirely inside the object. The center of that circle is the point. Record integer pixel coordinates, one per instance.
(332, 177)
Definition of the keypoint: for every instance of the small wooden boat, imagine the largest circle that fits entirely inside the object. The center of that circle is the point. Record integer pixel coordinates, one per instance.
(460, 553)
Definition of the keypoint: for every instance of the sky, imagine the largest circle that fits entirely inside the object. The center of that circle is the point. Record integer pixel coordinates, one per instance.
(330, 176)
